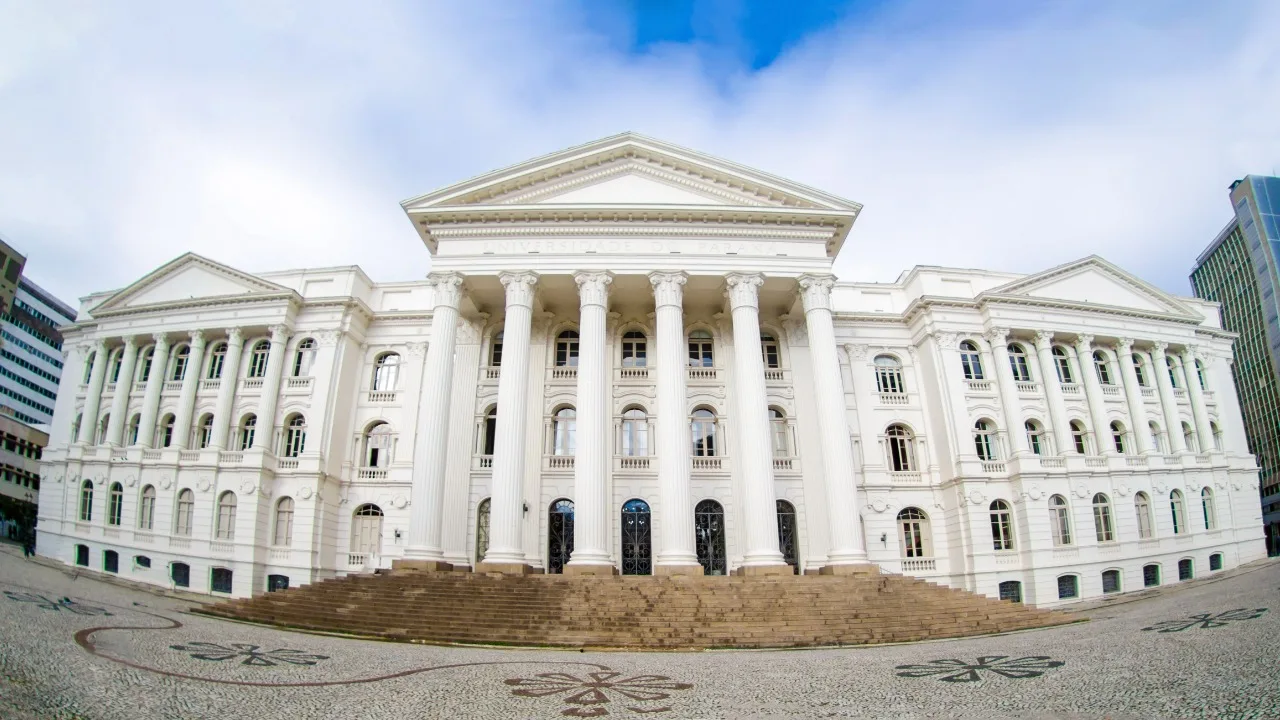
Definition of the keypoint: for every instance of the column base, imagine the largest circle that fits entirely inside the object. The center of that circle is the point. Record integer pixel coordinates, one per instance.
(855, 569)
(506, 568)
(598, 570)
(679, 570)
(760, 570)
(412, 565)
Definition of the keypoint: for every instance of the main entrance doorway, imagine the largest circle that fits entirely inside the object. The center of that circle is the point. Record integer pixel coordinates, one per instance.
(559, 535)
(708, 529)
(637, 539)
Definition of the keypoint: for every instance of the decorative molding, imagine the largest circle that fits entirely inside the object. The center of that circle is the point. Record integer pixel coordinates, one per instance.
(1043, 339)
(946, 340)
(856, 352)
(998, 337)
(279, 334)
(796, 329)
(468, 333)
(1084, 340)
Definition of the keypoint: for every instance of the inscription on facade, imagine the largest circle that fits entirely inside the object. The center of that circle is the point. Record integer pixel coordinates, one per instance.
(628, 247)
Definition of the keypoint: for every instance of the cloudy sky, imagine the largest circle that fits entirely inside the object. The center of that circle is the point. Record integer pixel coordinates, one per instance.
(271, 135)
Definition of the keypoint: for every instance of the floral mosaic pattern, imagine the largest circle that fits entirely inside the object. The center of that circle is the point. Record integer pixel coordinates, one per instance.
(957, 671)
(588, 696)
(1206, 621)
(65, 604)
(251, 654)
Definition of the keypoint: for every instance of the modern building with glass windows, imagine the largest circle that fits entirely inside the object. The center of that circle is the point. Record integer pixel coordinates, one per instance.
(31, 352)
(634, 358)
(1240, 270)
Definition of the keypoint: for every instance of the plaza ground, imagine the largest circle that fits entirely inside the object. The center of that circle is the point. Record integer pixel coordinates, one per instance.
(1200, 649)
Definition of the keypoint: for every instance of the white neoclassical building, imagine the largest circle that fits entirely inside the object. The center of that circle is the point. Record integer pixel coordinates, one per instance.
(631, 357)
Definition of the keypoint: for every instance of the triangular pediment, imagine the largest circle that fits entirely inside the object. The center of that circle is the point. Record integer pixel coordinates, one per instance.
(1094, 281)
(185, 279)
(630, 169)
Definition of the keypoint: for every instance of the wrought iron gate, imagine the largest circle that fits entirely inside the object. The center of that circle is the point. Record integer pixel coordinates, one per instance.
(559, 535)
(787, 534)
(637, 539)
(708, 528)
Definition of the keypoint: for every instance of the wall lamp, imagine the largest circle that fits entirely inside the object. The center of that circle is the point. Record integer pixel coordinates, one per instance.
(884, 538)
(526, 508)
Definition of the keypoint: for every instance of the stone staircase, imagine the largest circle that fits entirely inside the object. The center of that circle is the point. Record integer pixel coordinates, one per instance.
(650, 612)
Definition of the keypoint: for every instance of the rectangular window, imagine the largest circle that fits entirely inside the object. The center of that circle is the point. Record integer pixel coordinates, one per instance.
(1068, 587)
(220, 580)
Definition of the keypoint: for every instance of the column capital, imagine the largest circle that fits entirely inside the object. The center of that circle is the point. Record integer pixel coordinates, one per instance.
(668, 288)
(279, 333)
(1085, 341)
(161, 338)
(1158, 347)
(997, 336)
(1192, 352)
(815, 291)
(856, 351)
(946, 340)
(520, 286)
(447, 287)
(1044, 339)
(1125, 346)
(100, 345)
(197, 337)
(235, 335)
(743, 289)
(130, 341)
(593, 287)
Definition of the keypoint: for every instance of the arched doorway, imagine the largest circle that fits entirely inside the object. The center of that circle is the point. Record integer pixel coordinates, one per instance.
(787, 535)
(366, 531)
(637, 538)
(559, 535)
(708, 529)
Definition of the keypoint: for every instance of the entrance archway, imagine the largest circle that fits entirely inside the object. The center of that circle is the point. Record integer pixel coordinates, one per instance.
(787, 535)
(708, 529)
(637, 538)
(559, 535)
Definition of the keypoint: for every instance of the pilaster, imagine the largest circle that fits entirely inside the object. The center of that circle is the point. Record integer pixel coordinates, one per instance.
(227, 390)
(187, 397)
(1093, 394)
(1053, 391)
(1133, 397)
(124, 384)
(1017, 433)
(93, 396)
(155, 383)
(1172, 425)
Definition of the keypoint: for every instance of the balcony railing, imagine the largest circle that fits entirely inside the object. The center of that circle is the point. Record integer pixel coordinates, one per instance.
(558, 462)
(172, 386)
(1111, 390)
(1203, 459)
(632, 373)
(221, 546)
(1052, 462)
(1136, 460)
(1208, 396)
(279, 554)
(182, 543)
(775, 375)
(188, 455)
(481, 462)
(357, 559)
(231, 458)
(210, 384)
(633, 462)
(564, 372)
(381, 396)
(120, 454)
(983, 386)
(1070, 388)
(919, 565)
(1098, 462)
(1172, 459)
(492, 373)
(111, 532)
(906, 477)
(784, 463)
(254, 383)
(298, 384)
(150, 454)
(372, 474)
(1028, 388)
(993, 466)
(708, 463)
(1148, 393)
(1179, 393)
(893, 398)
(286, 464)
(145, 538)
(705, 374)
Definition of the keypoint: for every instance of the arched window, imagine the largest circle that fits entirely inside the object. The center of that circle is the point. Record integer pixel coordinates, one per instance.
(1179, 517)
(1210, 513)
(495, 351)
(787, 533)
(378, 441)
(226, 525)
(182, 515)
(637, 538)
(1079, 437)
(386, 372)
(1119, 436)
(1150, 575)
(565, 426)
(1110, 581)
(104, 423)
(490, 430)
(703, 424)
(1060, 520)
(914, 535)
(258, 359)
(708, 533)
(559, 535)
(180, 358)
(700, 349)
(304, 357)
(145, 358)
(284, 523)
(247, 426)
(482, 530)
(295, 436)
(1157, 437)
(1215, 562)
(1068, 587)
(567, 349)
(1102, 524)
(1184, 569)
(147, 508)
(115, 504)
(778, 433)
(164, 435)
(971, 361)
(889, 375)
(635, 350)
(769, 352)
(117, 362)
(984, 439)
(1189, 438)
(1216, 432)
(86, 501)
(1140, 369)
(88, 367)
(902, 448)
(1142, 508)
(131, 435)
(1035, 437)
(1018, 362)
(635, 433)
(1173, 371)
(1062, 362)
(1104, 370)
(1001, 525)
(366, 530)
(217, 358)
(204, 431)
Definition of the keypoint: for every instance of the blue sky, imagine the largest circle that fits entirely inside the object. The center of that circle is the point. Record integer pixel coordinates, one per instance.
(271, 134)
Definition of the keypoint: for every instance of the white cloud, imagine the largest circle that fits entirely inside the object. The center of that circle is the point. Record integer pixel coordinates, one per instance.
(274, 135)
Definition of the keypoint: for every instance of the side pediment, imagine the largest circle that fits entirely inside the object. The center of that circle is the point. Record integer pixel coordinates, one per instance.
(187, 278)
(1094, 281)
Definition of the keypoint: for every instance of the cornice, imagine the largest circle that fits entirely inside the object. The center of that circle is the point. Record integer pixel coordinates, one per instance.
(634, 231)
(290, 298)
(987, 299)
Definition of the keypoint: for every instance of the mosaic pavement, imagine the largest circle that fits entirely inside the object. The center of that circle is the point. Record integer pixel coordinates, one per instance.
(79, 648)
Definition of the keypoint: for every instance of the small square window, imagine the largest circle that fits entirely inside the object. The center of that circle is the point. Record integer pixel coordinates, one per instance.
(141, 561)
(1184, 569)
(1068, 587)
(1215, 561)
(110, 561)
(1011, 590)
(1111, 581)
(181, 574)
(220, 580)
(82, 555)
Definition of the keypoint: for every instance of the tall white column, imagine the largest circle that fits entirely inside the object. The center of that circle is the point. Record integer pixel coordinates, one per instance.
(93, 397)
(1172, 426)
(151, 400)
(124, 384)
(999, 339)
(1198, 410)
(426, 516)
(187, 398)
(677, 555)
(847, 546)
(754, 449)
(1133, 397)
(271, 389)
(227, 391)
(1053, 391)
(591, 465)
(1093, 394)
(506, 509)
